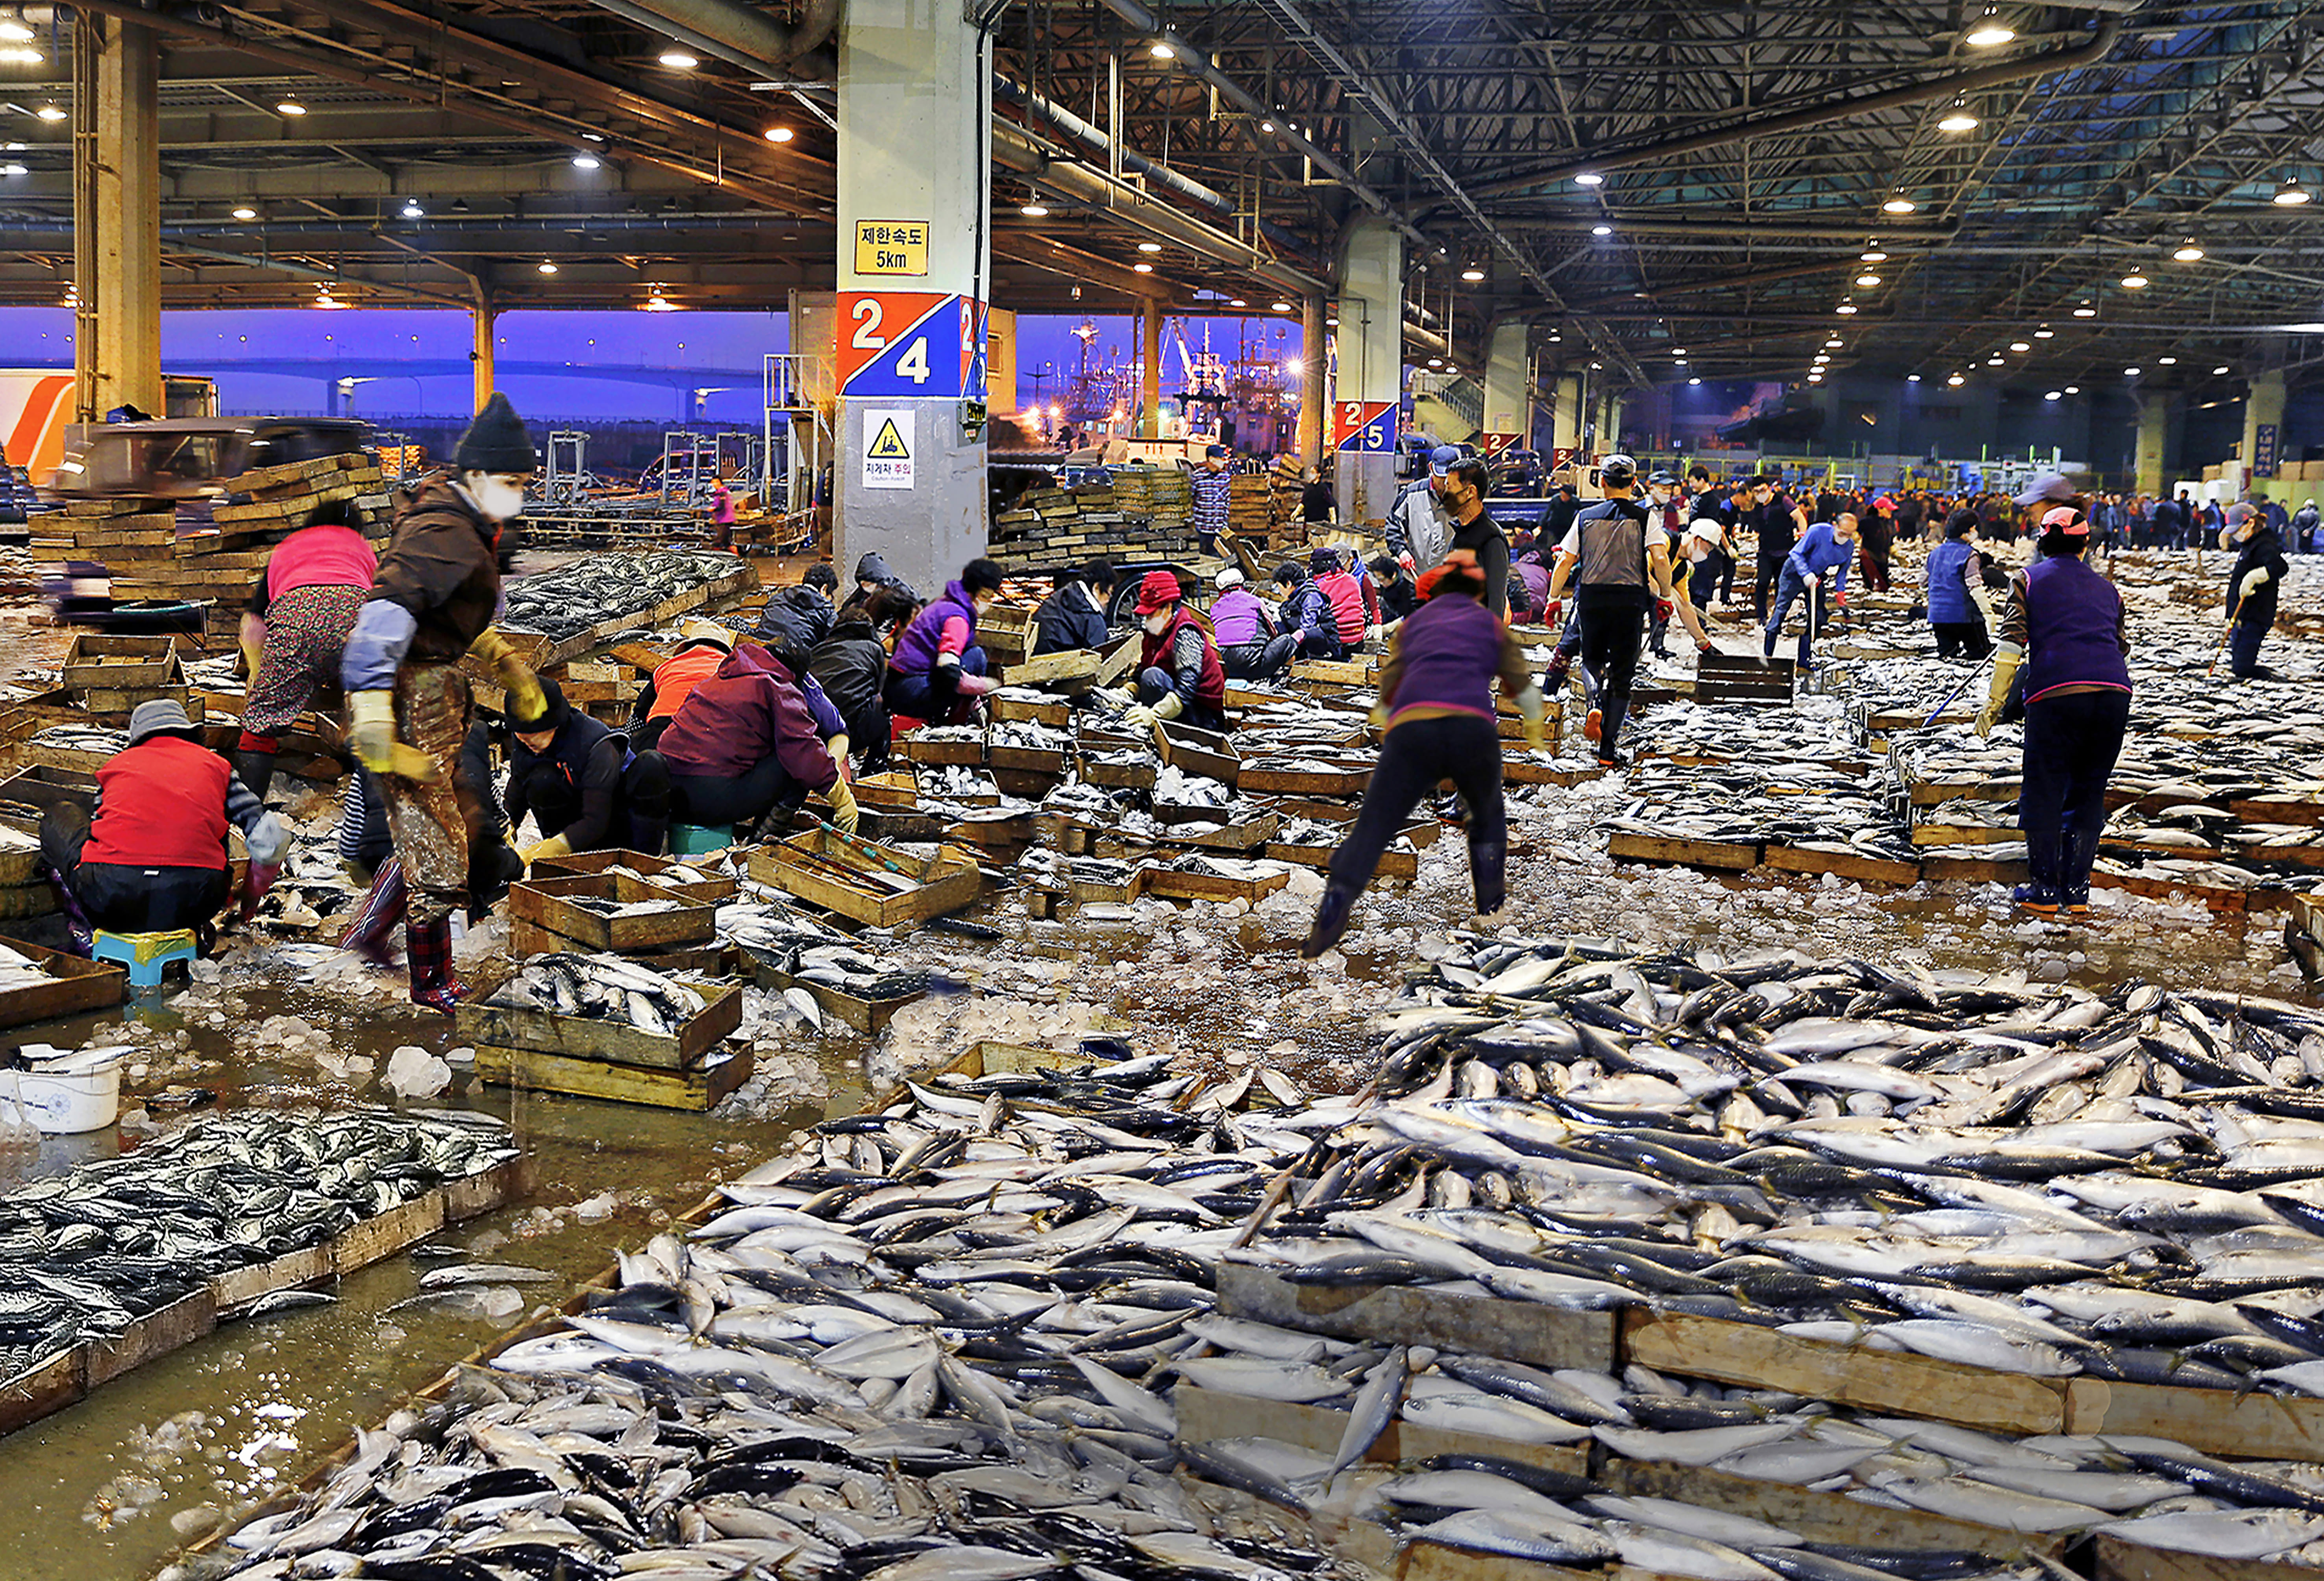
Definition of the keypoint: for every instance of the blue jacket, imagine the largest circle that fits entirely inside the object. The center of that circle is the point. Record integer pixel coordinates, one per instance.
(1820, 552)
(1948, 599)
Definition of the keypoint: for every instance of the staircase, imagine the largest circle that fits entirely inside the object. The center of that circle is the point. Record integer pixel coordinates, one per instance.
(1452, 408)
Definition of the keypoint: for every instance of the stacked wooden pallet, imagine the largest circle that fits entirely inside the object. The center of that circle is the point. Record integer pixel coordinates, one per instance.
(1251, 505)
(1137, 517)
(280, 497)
(111, 531)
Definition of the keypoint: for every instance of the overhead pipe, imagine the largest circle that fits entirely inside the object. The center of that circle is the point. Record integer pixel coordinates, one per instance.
(1821, 112)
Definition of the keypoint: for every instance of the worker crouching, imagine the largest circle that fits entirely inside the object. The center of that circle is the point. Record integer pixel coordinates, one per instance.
(937, 671)
(151, 857)
(585, 790)
(1179, 675)
(431, 604)
(294, 632)
(746, 749)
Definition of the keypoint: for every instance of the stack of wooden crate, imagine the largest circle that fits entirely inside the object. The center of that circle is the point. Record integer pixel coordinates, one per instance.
(110, 675)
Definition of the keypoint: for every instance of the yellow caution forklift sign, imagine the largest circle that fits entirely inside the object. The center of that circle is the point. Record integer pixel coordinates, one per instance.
(887, 448)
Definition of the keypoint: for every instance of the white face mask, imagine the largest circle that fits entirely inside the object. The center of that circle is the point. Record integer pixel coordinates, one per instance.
(497, 496)
(1157, 623)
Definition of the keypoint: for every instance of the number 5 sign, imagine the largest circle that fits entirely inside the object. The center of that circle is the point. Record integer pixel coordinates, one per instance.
(896, 343)
(1363, 425)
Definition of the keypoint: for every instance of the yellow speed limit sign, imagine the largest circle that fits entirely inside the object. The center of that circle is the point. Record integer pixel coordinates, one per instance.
(891, 246)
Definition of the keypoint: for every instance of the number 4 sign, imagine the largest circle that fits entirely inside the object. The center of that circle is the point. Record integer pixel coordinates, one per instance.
(903, 343)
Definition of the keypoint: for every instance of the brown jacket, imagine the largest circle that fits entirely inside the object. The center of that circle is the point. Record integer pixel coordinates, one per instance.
(442, 568)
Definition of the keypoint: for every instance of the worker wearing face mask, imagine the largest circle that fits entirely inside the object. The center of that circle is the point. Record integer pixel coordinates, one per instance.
(937, 672)
(431, 603)
(1179, 675)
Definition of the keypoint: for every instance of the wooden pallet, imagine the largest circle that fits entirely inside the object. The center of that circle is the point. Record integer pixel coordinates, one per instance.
(1722, 856)
(880, 886)
(695, 1090)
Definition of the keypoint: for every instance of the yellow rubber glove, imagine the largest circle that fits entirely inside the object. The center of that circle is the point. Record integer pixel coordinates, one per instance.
(1531, 708)
(1997, 695)
(554, 846)
(1171, 706)
(253, 645)
(372, 729)
(1138, 718)
(844, 810)
(525, 702)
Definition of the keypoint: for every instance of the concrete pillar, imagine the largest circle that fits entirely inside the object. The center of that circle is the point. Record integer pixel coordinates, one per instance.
(116, 218)
(2264, 433)
(1149, 370)
(1565, 412)
(1509, 381)
(915, 209)
(1606, 419)
(2154, 428)
(1313, 365)
(482, 318)
(1371, 357)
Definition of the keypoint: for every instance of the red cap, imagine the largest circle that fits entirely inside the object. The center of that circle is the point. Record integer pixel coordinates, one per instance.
(1159, 588)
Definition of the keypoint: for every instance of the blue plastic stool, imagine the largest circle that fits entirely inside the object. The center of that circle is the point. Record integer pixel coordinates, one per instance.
(698, 840)
(146, 954)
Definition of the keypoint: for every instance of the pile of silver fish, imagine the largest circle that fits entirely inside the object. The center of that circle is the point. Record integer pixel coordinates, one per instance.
(85, 1254)
(602, 987)
(587, 592)
(812, 952)
(1790, 802)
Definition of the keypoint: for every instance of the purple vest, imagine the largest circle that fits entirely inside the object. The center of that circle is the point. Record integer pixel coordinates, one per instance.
(1234, 618)
(1451, 647)
(916, 650)
(2072, 613)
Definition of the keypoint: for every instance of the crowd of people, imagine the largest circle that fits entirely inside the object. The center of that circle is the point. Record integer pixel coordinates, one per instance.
(735, 732)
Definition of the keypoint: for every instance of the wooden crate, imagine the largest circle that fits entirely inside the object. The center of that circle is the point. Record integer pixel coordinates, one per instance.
(1130, 776)
(914, 747)
(1734, 678)
(1825, 1518)
(1520, 1331)
(517, 1029)
(710, 959)
(1176, 884)
(697, 1090)
(1075, 669)
(880, 886)
(95, 659)
(712, 890)
(1238, 831)
(1055, 712)
(551, 904)
(1399, 862)
(866, 1016)
(1276, 777)
(1724, 856)
(75, 986)
(1052, 761)
(1207, 1415)
(2118, 1561)
(158, 1333)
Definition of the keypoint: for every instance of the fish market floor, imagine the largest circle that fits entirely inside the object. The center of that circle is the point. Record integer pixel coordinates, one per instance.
(152, 1456)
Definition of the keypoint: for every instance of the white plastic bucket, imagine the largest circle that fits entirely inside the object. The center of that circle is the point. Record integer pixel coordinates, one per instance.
(81, 1092)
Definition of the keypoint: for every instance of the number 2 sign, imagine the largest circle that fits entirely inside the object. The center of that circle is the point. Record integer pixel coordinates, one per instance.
(896, 343)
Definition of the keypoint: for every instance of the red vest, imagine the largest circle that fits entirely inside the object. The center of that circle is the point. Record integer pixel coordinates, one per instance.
(674, 679)
(1347, 605)
(162, 804)
(1211, 688)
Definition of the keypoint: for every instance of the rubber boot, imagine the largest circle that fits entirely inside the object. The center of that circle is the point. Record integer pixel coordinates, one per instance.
(382, 908)
(2043, 852)
(1332, 914)
(428, 947)
(2081, 851)
(255, 769)
(78, 929)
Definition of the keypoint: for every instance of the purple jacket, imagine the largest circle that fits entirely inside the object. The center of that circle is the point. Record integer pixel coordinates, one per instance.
(924, 640)
(2073, 623)
(1448, 653)
(1237, 618)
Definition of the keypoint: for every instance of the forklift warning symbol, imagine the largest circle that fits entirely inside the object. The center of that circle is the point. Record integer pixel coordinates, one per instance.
(887, 458)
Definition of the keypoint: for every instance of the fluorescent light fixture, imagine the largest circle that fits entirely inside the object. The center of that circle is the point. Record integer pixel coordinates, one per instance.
(679, 60)
(1588, 178)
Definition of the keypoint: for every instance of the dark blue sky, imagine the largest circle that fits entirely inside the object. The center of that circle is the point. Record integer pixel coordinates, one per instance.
(723, 349)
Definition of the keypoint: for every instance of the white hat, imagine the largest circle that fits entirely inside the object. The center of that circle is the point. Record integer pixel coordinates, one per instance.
(1228, 577)
(1707, 529)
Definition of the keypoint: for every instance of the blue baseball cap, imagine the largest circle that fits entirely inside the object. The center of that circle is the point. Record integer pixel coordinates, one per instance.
(1215, 450)
(1443, 458)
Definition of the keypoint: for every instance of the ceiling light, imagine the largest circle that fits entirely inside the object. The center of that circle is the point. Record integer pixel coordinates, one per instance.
(1334, 323)
(2168, 362)
(1282, 306)
(1912, 378)
(547, 267)
(1149, 246)
(1588, 178)
(1899, 204)
(2134, 283)
(679, 60)
(1472, 275)
(21, 57)
(1994, 361)
(1957, 379)
(1815, 378)
(1833, 344)
(1694, 381)
(2187, 252)
(1162, 52)
(1845, 307)
(2073, 389)
(2019, 345)
(585, 162)
(412, 209)
(1990, 30)
(1035, 210)
(2045, 333)
(14, 169)
(1872, 256)
(2051, 394)
(2130, 372)
(1238, 302)
(1957, 118)
(245, 212)
(1267, 125)
(1602, 230)
(659, 303)
(53, 113)
(1867, 280)
(1435, 362)
(1678, 362)
(2086, 312)
(1142, 268)
(2218, 371)
(1675, 350)
(779, 134)
(1822, 357)
(14, 31)
(289, 107)
(2290, 194)
(326, 299)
